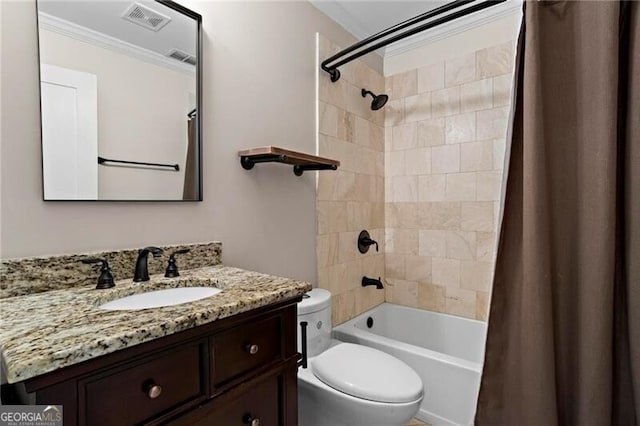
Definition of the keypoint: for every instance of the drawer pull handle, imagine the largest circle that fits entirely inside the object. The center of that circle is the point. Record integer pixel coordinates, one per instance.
(154, 391)
(248, 419)
(252, 349)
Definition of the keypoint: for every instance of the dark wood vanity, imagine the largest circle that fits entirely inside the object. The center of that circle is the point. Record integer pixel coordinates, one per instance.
(240, 370)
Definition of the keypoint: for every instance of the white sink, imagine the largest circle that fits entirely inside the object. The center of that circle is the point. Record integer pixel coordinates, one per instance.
(160, 298)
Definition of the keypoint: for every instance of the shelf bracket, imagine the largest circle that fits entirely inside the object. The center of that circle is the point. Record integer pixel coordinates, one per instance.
(248, 162)
(299, 170)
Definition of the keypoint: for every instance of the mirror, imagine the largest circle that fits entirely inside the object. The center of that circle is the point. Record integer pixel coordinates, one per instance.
(120, 91)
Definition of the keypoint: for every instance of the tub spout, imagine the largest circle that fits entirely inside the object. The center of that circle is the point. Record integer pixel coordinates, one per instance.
(366, 281)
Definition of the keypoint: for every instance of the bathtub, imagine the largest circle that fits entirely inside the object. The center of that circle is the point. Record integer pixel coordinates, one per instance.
(445, 350)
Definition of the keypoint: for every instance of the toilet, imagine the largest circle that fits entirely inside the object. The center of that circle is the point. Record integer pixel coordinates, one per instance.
(346, 384)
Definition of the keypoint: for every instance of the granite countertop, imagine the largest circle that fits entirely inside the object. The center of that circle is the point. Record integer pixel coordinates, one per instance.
(43, 332)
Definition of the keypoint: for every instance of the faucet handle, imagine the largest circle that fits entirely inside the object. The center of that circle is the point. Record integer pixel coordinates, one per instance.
(155, 251)
(364, 241)
(106, 278)
(172, 267)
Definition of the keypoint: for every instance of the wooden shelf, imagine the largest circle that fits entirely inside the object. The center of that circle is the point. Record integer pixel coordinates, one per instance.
(272, 154)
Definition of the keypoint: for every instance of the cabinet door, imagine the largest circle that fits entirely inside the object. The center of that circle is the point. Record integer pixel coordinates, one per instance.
(256, 403)
(246, 348)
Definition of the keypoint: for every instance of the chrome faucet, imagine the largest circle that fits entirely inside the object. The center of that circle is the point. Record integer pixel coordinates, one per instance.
(141, 272)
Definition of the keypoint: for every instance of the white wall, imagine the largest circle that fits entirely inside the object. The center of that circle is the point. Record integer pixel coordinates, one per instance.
(259, 89)
(142, 116)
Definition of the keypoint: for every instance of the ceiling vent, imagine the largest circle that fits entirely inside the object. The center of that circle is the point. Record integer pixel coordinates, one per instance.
(182, 56)
(145, 17)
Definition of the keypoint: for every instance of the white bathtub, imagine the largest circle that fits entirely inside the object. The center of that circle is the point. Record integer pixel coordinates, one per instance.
(445, 350)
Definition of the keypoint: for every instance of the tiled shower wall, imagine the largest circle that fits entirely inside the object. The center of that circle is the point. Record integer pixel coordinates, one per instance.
(445, 132)
(352, 198)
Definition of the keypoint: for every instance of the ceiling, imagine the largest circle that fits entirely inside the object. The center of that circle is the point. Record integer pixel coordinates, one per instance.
(365, 18)
(106, 17)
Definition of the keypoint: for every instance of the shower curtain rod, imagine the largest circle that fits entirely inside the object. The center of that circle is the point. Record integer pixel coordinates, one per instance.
(333, 69)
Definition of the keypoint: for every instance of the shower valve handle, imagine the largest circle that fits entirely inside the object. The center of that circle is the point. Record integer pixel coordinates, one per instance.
(364, 241)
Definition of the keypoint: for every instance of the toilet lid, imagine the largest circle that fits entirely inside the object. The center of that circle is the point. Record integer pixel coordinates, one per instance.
(367, 373)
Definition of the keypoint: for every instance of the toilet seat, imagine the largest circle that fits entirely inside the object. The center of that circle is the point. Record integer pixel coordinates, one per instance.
(367, 373)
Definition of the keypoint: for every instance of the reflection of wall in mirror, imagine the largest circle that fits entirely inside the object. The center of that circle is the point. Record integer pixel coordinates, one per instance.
(142, 116)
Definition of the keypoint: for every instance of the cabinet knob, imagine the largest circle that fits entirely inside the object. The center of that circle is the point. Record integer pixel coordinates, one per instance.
(248, 419)
(154, 391)
(252, 349)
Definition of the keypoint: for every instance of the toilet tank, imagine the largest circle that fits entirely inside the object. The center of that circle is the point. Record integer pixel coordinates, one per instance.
(315, 309)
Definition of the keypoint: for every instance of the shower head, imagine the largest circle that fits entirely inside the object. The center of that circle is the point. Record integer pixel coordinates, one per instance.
(378, 100)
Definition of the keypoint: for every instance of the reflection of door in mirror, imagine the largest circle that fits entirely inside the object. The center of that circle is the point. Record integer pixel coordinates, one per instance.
(143, 58)
(69, 132)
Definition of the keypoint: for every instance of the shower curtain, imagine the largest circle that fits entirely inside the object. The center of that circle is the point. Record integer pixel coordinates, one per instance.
(191, 187)
(563, 344)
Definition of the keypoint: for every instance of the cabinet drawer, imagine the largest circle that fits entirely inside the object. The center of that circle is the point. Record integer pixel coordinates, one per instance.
(145, 390)
(260, 403)
(244, 348)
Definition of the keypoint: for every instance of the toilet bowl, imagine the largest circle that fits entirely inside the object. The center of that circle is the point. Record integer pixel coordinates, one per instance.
(346, 384)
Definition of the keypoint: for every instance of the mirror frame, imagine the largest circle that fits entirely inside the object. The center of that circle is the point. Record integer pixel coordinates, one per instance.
(187, 12)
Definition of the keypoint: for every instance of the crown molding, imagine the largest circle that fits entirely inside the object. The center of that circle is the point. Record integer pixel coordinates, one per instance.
(84, 34)
(338, 14)
(457, 26)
